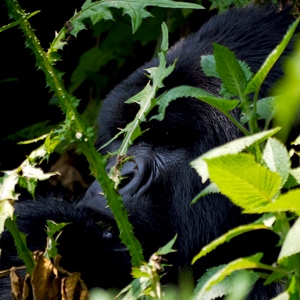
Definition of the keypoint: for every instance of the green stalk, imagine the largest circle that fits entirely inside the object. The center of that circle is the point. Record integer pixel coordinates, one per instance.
(68, 105)
(20, 242)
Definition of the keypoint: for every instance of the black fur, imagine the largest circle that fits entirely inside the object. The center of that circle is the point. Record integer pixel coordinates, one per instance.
(162, 183)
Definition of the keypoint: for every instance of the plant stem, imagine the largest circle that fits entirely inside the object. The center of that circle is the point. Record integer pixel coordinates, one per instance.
(68, 105)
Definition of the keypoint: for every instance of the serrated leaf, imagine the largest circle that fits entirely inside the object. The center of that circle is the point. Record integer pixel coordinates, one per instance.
(286, 202)
(135, 288)
(277, 159)
(230, 71)
(291, 244)
(260, 76)
(265, 108)
(241, 278)
(225, 238)
(239, 264)
(254, 185)
(208, 65)
(233, 147)
(210, 189)
(224, 105)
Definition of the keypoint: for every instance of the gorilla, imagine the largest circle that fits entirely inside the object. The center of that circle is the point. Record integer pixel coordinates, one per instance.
(160, 183)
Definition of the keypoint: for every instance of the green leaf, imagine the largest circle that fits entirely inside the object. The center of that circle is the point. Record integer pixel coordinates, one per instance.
(6, 211)
(20, 242)
(53, 229)
(286, 202)
(296, 174)
(135, 289)
(134, 8)
(239, 264)
(210, 189)
(168, 248)
(224, 105)
(208, 65)
(291, 244)
(225, 238)
(242, 279)
(265, 108)
(254, 185)
(277, 159)
(233, 147)
(262, 73)
(229, 69)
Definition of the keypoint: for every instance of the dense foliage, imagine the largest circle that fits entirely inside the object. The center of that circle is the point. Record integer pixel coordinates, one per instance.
(259, 163)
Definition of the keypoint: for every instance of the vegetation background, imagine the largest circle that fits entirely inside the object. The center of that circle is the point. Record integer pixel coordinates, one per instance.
(109, 53)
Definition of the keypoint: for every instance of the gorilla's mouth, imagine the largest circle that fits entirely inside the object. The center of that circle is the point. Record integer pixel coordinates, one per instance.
(112, 240)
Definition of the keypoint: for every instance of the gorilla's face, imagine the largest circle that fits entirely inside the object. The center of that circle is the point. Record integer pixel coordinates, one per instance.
(159, 182)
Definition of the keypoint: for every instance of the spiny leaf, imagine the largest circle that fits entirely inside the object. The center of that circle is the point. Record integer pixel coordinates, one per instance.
(224, 105)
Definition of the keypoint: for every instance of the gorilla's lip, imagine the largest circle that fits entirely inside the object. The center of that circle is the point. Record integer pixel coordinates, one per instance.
(119, 248)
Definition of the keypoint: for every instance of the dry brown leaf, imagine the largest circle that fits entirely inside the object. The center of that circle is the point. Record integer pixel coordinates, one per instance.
(68, 286)
(73, 287)
(40, 276)
(26, 293)
(16, 283)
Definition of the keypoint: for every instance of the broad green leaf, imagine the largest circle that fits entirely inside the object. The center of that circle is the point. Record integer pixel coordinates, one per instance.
(210, 189)
(277, 159)
(254, 185)
(233, 147)
(229, 69)
(286, 202)
(241, 278)
(227, 238)
(260, 76)
(239, 264)
(291, 244)
(224, 105)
